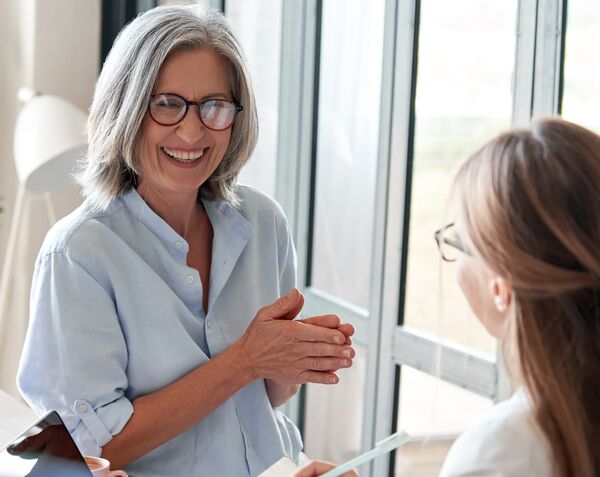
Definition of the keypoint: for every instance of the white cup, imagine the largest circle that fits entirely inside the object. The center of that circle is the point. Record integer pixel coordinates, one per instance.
(101, 467)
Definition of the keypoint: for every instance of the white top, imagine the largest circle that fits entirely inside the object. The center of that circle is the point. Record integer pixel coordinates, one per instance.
(504, 444)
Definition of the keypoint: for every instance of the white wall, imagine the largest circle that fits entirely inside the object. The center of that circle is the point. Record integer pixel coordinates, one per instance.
(52, 47)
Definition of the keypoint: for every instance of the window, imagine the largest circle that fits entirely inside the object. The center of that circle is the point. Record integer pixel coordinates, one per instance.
(463, 98)
(581, 90)
(257, 24)
(366, 111)
(347, 147)
(345, 158)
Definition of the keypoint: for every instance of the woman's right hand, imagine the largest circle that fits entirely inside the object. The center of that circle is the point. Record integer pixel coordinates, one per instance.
(318, 467)
(277, 347)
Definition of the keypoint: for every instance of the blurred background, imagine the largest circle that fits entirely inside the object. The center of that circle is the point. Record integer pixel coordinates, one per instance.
(366, 110)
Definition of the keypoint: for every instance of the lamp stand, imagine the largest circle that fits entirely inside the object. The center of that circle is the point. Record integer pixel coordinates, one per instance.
(9, 256)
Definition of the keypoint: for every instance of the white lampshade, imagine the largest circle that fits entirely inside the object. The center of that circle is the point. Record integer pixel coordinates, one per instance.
(49, 139)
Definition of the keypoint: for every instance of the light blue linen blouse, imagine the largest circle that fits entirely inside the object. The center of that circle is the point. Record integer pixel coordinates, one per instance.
(116, 313)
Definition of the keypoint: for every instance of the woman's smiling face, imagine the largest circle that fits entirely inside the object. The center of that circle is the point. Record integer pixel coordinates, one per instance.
(178, 159)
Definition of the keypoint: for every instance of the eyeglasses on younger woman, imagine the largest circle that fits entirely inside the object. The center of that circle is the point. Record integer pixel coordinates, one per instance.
(449, 243)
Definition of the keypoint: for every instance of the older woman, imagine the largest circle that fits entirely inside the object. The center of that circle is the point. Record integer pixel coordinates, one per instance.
(162, 309)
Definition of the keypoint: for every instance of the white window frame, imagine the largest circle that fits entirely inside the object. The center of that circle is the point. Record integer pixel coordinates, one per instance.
(536, 92)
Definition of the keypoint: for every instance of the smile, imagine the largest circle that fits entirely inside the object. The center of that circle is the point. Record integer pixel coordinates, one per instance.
(184, 156)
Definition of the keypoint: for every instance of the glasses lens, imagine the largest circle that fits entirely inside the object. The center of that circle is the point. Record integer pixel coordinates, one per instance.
(449, 243)
(449, 253)
(217, 114)
(167, 109)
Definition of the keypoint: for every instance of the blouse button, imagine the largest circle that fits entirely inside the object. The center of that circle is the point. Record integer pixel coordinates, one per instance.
(179, 244)
(82, 408)
(189, 279)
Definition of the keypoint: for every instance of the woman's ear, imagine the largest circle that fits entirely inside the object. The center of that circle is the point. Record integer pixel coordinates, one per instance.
(501, 290)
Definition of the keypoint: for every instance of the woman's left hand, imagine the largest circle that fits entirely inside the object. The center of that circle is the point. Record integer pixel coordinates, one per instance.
(318, 467)
(331, 321)
(279, 393)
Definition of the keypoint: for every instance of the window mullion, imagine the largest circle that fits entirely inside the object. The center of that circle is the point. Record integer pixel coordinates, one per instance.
(548, 58)
(397, 209)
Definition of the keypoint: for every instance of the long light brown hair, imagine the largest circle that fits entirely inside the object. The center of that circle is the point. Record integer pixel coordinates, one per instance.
(530, 203)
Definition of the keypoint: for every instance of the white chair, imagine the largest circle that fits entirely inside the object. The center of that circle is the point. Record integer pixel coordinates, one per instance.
(49, 138)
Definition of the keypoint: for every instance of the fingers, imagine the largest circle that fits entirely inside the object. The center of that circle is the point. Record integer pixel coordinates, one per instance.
(333, 322)
(318, 377)
(326, 364)
(347, 329)
(330, 321)
(324, 349)
(326, 321)
(316, 468)
(295, 310)
(296, 351)
(286, 307)
(308, 332)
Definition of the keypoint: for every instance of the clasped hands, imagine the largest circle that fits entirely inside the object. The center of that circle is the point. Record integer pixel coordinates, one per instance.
(311, 350)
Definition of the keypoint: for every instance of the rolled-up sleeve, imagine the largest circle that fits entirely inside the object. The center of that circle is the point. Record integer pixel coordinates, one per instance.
(75, 356)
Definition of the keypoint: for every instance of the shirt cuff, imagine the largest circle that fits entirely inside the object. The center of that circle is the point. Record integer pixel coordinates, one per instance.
(290, 435)
(97, 426)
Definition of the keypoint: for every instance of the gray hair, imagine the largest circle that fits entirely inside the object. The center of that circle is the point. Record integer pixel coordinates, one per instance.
(124, 88)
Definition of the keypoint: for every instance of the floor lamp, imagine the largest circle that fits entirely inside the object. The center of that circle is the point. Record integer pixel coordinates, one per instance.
(49, 138)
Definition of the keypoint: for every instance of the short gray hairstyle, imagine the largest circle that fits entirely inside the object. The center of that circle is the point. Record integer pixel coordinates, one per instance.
(125, 86)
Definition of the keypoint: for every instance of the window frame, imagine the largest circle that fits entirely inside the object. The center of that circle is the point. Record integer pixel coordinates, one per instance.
(537, 86)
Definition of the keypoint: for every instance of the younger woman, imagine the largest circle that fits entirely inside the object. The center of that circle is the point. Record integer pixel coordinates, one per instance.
(528, 235)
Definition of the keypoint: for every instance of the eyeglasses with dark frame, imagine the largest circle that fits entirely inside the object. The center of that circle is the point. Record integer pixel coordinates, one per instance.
(169, 109)
(449, 243)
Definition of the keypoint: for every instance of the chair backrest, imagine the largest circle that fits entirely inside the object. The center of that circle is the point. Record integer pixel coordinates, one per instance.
(49, 139)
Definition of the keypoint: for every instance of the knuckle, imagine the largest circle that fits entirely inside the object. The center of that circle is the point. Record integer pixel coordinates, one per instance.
(313, 364)
(262, 311)
(280, 303)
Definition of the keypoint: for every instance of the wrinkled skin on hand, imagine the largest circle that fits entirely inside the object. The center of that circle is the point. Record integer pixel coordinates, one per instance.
(277, 347)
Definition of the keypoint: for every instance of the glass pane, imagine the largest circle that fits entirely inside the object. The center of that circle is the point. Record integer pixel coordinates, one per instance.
(333, 420)
(463, 99)
(257, 24)
(347, 142)
(433, 412)
(581, 93)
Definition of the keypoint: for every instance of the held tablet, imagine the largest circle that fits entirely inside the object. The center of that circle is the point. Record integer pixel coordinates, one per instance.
(45, 449)
(285, 467)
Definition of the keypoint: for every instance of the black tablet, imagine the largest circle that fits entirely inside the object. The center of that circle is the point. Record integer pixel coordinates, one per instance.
(45, 449)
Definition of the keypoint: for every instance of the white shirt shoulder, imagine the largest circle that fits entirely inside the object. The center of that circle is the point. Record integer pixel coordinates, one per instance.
(506, 443)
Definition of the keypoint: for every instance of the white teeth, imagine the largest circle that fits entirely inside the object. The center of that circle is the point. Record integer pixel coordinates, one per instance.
(184, 156)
